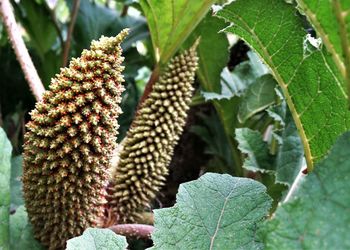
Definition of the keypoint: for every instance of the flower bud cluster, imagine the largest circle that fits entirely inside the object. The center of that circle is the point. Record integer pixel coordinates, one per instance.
(149, 144)
(69, 143)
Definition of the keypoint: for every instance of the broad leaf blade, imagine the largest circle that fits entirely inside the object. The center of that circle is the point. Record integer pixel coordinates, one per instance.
(259, 95)
(313, 89)
(5, 173)
(21, 231)
(171, 22)
(214, 212)
(317, 215)
(95, 239)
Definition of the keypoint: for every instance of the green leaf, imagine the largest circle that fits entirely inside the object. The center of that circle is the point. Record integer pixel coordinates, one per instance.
(171, 22)
(21, 232)
(214, 212)
(287, 162)
(16, 184)
(333, 27)
(307, 76)
(252, 144)
(5, 173)
(290, 156)
(317, 214)
(95, 20)
(227, 103)
(42, 36)
(96, 239)
(35, 18)
(212, 52)
(236, 82)
(259, 95)
(278, 112)
(218, 145)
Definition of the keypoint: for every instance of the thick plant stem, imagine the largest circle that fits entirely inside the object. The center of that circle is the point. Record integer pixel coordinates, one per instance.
(133, 230)
(20, 49)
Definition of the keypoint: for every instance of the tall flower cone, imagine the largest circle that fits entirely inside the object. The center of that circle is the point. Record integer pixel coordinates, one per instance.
(69, 142)
(148, 147)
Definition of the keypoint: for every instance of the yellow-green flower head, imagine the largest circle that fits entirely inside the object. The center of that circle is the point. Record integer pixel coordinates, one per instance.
(148, 147)
(69, 142)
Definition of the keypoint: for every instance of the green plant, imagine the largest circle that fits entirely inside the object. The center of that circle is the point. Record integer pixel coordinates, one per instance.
(263, 105)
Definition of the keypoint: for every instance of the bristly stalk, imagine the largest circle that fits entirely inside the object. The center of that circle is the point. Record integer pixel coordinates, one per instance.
(69, 144)
(148, 147)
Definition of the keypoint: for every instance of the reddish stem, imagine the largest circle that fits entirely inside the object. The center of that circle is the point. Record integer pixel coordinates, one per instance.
(133, 230)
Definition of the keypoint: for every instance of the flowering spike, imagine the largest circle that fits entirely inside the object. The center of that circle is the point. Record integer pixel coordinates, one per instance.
(149, 144)
(68, 144)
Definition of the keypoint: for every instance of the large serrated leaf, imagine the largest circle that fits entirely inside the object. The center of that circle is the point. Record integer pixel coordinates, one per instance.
(171, 22)
(214, 212)
(317, 214)
(307, 75)
(96, 239)
(5, 173)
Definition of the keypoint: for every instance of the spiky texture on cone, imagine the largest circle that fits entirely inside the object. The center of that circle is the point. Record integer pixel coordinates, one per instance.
(149, 144)
(69, 143)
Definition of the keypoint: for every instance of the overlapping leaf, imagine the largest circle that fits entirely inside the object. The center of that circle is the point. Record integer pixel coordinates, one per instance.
(307, 75)
(259, 96)
(214, 212)
(171, 22)
(95, 239)
(317, 214)
(285, 163)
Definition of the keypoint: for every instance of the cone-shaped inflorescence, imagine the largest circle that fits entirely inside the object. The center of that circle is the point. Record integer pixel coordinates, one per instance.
(149, 144)
(69, 142)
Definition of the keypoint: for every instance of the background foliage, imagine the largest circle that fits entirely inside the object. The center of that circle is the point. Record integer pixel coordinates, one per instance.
(269, 99)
